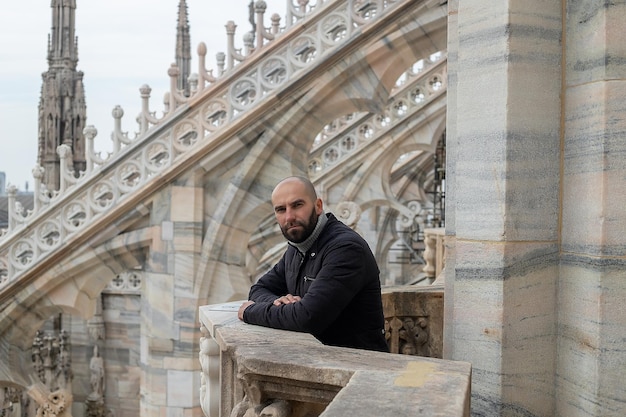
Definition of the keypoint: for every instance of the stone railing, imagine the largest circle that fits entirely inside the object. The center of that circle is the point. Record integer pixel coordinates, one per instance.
(255, 371)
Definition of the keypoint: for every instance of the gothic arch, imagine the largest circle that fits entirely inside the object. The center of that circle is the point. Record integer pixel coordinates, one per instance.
(72, 287)
(16, 344)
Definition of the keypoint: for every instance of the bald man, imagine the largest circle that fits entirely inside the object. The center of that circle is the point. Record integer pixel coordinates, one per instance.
(327, 282)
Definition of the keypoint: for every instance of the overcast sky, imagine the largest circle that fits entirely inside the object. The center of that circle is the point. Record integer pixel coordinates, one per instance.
(122, 44)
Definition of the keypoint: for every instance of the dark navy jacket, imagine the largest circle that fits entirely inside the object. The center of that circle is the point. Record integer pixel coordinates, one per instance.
(338, 280)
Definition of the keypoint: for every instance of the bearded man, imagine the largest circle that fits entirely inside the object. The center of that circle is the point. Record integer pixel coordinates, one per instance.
(327, 282)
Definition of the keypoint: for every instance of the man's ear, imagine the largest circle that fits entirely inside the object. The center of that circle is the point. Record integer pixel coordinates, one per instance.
(319, 206)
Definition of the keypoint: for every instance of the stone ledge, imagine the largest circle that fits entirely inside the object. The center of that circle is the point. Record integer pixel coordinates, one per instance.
(291, 366)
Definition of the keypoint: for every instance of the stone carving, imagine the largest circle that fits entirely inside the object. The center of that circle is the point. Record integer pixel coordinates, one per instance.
(57, 404)
(348, 212)
(255, 402)
(126, 282)
(413, 335)
(63, 373)
(95, 400)
(272, 408)
(51, 360)
(96, 367)
(15, 402)
(205, 389)
(37, 360)
(278, 408)
(407, 335)
(9, 402)
(95, 408)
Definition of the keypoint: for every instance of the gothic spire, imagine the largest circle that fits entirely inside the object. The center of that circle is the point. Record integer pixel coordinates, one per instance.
(62, 44)
(62, 108)
(183, 48)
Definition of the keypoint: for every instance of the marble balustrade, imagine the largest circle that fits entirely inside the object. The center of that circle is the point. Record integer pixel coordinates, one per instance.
(253, 370)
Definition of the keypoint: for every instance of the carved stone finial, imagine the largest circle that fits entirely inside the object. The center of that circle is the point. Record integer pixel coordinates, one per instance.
(38, 172)
(230, 27)
(260, 6)
(173, 70)
(118, 111)
(145, 91)
(64, 151)
(202, 49)
(90, 131)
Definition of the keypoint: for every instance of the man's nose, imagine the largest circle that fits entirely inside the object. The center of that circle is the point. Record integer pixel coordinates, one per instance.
(290, 214)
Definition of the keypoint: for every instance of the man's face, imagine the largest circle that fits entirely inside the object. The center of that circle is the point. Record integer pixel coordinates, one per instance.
(295, 210)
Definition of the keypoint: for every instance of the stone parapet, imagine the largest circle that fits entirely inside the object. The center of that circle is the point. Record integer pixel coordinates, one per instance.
(251, 370)
(414, 319)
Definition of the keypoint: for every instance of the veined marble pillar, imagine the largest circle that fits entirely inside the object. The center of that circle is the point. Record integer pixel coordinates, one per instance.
(592, 286)
(503, 201)
(536, 280)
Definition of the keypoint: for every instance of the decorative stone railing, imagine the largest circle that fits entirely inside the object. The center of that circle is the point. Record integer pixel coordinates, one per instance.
(255, 371)
(190, 125)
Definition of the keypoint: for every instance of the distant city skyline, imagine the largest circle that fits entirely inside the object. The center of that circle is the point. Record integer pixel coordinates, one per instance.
(3, 179)
(118, 52)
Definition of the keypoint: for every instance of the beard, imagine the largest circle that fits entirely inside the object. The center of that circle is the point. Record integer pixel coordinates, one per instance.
(302, 234)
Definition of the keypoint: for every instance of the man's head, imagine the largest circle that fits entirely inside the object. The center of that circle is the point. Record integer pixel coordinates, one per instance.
(296, 207)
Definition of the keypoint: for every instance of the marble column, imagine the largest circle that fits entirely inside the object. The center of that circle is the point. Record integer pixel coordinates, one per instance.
(504, 133)
(592, 284)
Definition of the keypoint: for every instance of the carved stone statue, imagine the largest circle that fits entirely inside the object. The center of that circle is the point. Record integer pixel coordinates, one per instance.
(96, 366)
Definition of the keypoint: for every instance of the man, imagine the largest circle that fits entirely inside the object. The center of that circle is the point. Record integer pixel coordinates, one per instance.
(327, 282)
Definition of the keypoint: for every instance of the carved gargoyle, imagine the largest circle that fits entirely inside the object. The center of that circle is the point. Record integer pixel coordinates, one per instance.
(277, 408)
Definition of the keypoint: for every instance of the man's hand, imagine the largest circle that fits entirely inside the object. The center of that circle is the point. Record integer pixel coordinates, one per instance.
(242, 308)
(287, 299)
